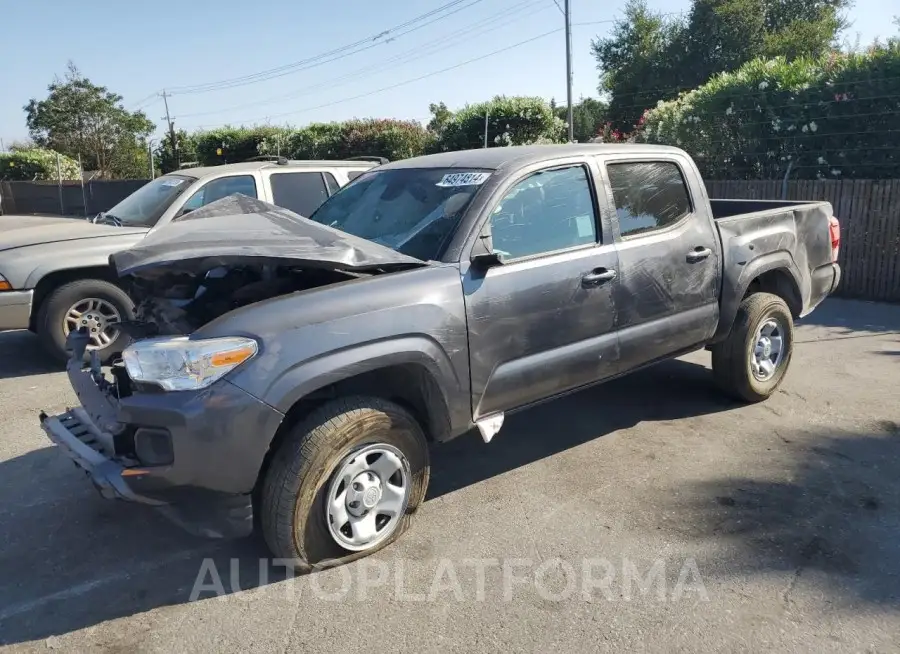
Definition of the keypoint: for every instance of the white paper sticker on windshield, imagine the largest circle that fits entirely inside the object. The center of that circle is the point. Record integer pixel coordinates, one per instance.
(173, 182)
(463, 179)
(585, 226)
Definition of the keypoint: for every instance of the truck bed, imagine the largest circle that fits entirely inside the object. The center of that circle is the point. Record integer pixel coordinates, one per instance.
(760, 235)
(722, 209)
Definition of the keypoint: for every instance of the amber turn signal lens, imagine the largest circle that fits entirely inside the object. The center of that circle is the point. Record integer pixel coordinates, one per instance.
(4, 285)
(232, 357)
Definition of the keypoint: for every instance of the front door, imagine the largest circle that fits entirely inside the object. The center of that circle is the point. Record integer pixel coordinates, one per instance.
(542, 322)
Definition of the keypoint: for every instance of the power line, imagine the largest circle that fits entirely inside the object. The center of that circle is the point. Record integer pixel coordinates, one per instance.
(414, 54)
(398, 84)
(369, 42)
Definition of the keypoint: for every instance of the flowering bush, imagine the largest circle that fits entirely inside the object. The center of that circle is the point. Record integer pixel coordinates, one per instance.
(36, 164)
(834, 117)
(511, 121)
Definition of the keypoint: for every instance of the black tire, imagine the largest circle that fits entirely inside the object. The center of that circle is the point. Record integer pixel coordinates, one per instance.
(731, 358)
(292, 500)
(55, 306)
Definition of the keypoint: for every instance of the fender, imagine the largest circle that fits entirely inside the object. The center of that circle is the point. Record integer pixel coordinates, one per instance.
(314, 374)
(733, 291)
(84, 253)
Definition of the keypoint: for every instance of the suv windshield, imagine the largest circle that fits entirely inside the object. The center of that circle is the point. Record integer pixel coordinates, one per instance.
(145, 206)
(412, 210)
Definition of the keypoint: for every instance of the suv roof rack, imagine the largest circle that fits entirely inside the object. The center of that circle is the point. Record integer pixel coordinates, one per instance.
(281, 161)
(378, 160)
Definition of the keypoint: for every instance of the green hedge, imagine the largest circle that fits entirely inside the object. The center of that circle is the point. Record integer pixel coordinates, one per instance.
(835, 117)
(234, 144)
(27, 165)
(377, 137)
(511, 121)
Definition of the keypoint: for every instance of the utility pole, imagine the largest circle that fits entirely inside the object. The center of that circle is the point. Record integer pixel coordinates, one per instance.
(172, 135)
(486, 114)
(568, 13)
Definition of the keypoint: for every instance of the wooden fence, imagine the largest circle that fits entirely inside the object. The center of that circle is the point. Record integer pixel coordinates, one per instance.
(869, 212)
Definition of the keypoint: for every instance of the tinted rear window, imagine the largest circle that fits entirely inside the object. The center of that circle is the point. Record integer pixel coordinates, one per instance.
(301, 193)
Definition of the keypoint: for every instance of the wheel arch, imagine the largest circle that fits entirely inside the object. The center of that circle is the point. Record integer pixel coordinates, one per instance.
(775, 274)
(53, 280)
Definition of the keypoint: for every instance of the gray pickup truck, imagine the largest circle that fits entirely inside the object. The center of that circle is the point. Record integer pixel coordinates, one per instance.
(295, 371)
(54, 272)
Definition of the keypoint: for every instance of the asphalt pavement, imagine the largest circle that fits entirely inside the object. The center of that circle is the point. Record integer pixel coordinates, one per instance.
(645, 514)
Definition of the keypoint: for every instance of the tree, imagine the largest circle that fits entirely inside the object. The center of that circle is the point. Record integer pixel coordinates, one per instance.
(81, 118)
(166, 161)
(440, 116)
(588, 117)
(651, 57)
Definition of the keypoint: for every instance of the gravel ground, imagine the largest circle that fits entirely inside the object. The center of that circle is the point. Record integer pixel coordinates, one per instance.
(646, 513)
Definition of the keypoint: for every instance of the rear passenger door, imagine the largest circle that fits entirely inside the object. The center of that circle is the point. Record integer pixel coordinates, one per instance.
(542, 322)
(667, 295)
(302, 191)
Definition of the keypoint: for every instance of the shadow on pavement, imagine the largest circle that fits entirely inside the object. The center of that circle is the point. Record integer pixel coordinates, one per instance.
(72, 560)
(678, 389)
(21, 355)
(832, 521)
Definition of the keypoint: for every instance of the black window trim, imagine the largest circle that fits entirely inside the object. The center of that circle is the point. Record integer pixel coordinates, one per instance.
(598, 224)
(612, 160)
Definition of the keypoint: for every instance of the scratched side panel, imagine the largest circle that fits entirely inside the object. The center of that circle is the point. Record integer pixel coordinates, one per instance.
(312, 338)
(794, 239)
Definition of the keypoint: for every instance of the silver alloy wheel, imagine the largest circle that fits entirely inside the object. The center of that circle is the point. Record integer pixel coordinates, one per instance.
(367, 496)
(768, 350)
(99, 317)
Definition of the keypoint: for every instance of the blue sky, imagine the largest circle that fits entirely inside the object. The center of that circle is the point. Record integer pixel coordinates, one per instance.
(138, 48)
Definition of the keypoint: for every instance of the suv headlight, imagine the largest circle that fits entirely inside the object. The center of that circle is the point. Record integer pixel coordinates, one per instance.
(5, 285)
(181, 364)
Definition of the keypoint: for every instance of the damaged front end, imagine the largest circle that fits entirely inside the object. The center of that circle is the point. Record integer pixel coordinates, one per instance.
(164, 426)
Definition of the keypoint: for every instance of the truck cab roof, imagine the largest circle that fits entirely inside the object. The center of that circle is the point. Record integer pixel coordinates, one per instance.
(523, 155)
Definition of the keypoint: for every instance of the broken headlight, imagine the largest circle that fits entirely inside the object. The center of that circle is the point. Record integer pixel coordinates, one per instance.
(182, 364)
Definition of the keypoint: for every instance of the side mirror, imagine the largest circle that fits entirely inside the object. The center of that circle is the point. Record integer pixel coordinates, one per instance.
(485, 260)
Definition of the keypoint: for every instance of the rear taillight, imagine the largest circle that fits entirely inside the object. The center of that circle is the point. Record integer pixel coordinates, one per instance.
(834, 230)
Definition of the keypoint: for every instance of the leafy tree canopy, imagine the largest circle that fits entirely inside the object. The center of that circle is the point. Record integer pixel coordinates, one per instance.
(80, 118)
(650, 56)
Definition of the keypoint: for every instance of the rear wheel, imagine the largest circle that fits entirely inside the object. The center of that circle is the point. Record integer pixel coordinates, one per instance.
(344, 483)
(751, 363)
(92, 304)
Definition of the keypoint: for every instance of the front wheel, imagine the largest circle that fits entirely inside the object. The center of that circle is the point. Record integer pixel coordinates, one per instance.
(92, 304)
(751, 363)
(344, 483)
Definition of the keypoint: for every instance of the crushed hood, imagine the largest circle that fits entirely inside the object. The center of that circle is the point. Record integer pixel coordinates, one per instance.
(22, 231)
(239, 229)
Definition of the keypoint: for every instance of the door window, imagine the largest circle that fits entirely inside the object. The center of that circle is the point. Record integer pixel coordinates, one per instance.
(648, 195)
(547, 211)
(301, 193)
(220, 188)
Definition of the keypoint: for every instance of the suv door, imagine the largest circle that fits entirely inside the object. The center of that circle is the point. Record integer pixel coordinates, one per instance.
(542, 322)
(667, 292)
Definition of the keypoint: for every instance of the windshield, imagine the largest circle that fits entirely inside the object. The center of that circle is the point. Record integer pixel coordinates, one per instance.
(414, 211)
(145, 206)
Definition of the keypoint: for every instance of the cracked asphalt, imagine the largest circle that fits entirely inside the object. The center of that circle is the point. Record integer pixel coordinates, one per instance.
(648, 513)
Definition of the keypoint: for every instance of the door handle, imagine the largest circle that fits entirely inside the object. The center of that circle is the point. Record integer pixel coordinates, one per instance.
(698, 254)
(598, 277)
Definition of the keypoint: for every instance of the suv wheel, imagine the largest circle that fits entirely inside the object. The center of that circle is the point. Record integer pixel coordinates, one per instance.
(94, 304)
(344, 483)
(751, 363)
